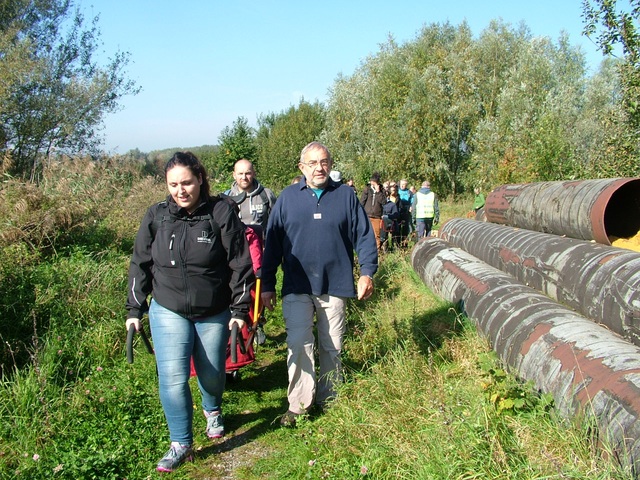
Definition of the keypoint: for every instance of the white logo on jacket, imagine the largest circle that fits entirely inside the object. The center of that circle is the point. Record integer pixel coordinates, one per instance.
(204, 238)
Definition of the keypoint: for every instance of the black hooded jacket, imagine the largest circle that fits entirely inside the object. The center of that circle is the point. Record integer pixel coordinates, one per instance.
(187, 265)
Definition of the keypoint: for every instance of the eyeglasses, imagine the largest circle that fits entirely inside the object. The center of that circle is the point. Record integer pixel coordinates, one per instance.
(324, 163)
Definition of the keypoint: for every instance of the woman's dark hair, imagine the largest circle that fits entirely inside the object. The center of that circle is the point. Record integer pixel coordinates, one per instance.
(190, 161)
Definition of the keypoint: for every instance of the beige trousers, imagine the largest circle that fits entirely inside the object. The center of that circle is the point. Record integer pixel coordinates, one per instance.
(305, 387)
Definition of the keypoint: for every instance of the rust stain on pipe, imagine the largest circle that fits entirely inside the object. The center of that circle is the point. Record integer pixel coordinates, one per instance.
(475, 285)
(539, 331)
(601, 282)
(588, 369)
(586, 209)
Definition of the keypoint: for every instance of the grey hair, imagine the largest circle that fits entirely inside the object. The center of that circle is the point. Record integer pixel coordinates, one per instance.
(314, 146)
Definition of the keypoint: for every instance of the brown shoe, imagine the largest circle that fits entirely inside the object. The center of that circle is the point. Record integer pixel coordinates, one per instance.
(289, 419)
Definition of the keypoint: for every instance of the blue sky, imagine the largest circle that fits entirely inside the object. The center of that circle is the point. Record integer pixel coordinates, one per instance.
(202, 64)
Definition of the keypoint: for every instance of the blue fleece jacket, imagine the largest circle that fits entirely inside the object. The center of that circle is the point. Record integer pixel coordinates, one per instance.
(314, 240)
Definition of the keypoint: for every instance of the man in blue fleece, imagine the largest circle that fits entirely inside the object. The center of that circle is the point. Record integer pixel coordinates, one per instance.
(313, 231)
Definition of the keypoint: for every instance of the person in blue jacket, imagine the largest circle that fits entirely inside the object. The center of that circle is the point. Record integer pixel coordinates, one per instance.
(313, 230)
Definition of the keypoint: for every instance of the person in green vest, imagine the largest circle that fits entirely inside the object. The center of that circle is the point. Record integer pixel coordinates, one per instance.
(478, 200)
(425, 210)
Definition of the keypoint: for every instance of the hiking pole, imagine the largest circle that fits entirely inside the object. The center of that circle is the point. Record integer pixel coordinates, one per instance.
(236, 341)
(130, 333)
(258, 319)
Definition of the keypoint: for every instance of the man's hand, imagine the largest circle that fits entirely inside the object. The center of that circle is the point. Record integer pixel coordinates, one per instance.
(268, 300)
(365, 287)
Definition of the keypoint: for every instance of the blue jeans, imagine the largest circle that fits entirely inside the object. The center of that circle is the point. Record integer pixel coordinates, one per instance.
(175, 340)
(424, 226)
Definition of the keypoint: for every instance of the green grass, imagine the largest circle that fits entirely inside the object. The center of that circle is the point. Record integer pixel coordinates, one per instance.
(419, 402)
(423, 397)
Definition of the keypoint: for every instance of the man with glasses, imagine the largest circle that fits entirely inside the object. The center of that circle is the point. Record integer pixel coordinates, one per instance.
(313, 231)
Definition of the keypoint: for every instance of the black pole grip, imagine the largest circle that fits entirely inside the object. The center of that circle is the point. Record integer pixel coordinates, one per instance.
(146, 341)
(130, 333)
(241, 344)
(234, 343)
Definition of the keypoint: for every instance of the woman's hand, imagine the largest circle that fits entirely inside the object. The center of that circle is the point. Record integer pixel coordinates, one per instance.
(238, 321)
(133, 321)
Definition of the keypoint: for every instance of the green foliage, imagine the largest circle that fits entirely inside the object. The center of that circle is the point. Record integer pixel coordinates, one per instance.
(506, 107)
(55, 101)
(234, 143)
(281, 138)
(505, 393)
(615, 31)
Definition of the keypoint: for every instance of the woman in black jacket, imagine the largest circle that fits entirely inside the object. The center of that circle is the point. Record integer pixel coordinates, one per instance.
(372, 199)
(191, 255)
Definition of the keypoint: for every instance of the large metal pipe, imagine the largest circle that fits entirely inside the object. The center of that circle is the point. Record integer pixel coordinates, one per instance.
(598, 281)
(585, 209)
(588, 369)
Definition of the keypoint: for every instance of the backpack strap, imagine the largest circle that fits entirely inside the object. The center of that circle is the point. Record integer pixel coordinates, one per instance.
(163, 215)
(265, 197)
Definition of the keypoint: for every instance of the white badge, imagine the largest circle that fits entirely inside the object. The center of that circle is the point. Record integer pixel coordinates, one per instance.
(317, 216)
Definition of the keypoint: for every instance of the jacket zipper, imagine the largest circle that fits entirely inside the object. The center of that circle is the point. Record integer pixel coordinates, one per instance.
(173, 261)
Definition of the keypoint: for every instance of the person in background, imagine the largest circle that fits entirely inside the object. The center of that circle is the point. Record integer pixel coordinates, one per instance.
(352, 185)
(478, 200)
(191, 256)
(296, 179)
(394, 197)
(372, 199)
(336, 176)
(390, 215)
(254, 200)
(406, 198)
(313, 231)
(425, 210)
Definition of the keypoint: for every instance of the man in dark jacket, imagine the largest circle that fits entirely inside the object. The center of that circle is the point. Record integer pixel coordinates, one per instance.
(313, 231)
(372, 199)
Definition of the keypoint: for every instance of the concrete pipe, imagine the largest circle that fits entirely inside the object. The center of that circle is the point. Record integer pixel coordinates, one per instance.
(586, 209)
(598, 281)
(588, 370)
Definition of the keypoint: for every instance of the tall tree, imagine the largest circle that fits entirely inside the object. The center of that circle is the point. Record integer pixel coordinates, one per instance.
(57, 99)
(234, 143)
(282, 136)
(615, 30)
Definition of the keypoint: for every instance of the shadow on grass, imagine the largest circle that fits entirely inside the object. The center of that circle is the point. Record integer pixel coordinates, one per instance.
(260, 381)
(431, 329)
(428, 328)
